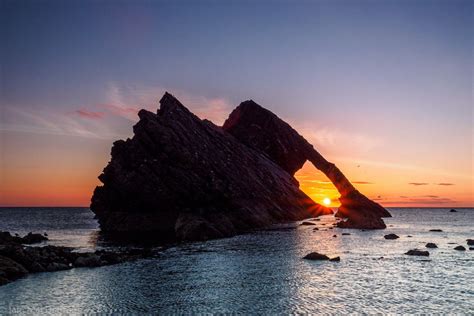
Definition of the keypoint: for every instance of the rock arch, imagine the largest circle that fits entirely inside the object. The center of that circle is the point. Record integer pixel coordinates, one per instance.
(261, 129)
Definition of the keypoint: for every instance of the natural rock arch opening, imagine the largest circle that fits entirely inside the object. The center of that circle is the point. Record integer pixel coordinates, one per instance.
(316, 185)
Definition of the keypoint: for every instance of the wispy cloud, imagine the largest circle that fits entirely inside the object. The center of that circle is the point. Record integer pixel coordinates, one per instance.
(89, 114)
(418, 183)
(127, 100)
(444, 183)
(80, 123)
(398, 166)
(333, 139)
(110, 117)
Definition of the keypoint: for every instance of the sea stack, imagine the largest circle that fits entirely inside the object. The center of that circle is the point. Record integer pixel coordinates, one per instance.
(183, 178)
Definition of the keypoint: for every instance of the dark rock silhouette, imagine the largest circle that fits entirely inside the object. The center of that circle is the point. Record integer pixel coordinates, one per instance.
(436, 230)
(184, 178)
(470, 242)
(261, 129)
(416, 252)
(431, 245)
(315, 256)
(453, 210)
(460, 248)
(391, 236)
(30, 238)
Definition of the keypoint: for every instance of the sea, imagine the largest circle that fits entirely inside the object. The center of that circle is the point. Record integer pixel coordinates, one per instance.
(261, 272)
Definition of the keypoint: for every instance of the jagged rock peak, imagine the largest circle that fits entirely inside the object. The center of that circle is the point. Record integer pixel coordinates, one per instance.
(169, 104)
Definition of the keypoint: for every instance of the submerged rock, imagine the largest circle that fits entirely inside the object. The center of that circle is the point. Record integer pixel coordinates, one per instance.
(30, 238)
(460, 248)
(391, 236)
(184, 178)
(416, 252)
(431, 245)
(453, 210)
(315, 256)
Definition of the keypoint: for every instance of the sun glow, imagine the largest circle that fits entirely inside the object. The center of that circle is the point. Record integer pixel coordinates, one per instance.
(327, 201)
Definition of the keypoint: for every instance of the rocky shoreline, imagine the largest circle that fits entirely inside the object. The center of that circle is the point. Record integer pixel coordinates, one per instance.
(18, 258)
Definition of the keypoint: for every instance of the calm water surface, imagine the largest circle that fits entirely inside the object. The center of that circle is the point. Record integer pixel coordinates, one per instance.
(260, 272)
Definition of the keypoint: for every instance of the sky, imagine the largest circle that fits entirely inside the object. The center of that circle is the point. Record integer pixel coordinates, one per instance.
(384, 89)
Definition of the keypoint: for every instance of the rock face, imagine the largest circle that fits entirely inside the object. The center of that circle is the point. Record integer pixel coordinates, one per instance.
(261, 129)
(184, 178)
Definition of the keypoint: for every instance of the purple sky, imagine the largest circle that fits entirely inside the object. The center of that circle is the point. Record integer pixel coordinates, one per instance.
(382, 88)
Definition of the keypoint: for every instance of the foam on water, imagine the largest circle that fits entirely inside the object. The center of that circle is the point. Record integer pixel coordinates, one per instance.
(260, 272)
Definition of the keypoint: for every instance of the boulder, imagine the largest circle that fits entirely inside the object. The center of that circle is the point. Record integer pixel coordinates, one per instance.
(460, 248)
(56, 266)
(315, 256)
(335, 259)
(11, 270)
(453, 210)
(436, 230)
(33, 238)
(345, 234)
(431, 245)
(470, 242)
(416, 252)
(88, 260)
(391, 236)
(361, 221)
(307, 223)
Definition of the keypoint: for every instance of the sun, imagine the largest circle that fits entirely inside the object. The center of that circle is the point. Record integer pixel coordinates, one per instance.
(327, 201)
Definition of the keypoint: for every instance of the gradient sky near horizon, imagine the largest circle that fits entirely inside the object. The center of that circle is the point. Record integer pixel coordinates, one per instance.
(382, 88)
